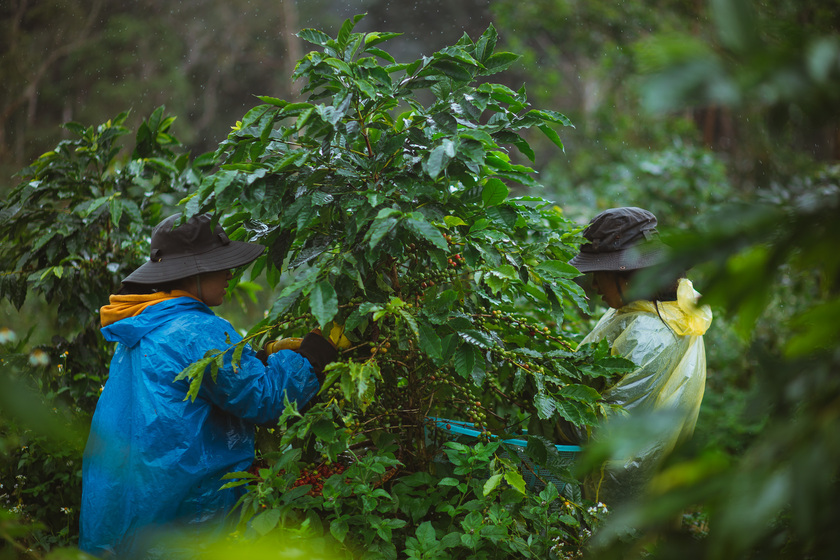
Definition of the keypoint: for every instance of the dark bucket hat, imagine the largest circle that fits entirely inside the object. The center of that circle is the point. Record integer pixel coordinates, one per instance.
(193, 247)
(620, 239)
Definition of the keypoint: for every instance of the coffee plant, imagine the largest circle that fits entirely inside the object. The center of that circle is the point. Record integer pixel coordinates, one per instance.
(75, 220)
(385, 201)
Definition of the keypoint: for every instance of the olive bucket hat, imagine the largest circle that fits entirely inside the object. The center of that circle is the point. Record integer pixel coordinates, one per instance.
(194, 247)
(620, 239)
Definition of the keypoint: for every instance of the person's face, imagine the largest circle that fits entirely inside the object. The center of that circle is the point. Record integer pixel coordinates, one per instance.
(610, 287)
(214, 286)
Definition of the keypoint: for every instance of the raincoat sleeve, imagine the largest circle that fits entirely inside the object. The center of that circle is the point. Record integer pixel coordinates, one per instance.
(255, 392)
(251, 390)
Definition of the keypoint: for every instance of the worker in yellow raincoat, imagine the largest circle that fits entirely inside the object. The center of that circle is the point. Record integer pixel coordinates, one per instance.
(662, 335)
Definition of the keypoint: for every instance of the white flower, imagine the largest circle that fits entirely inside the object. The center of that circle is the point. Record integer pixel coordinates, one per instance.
(7, 335)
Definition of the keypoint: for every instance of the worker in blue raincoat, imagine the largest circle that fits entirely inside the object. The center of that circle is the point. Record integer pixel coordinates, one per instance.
(154, 460)
(662, 334)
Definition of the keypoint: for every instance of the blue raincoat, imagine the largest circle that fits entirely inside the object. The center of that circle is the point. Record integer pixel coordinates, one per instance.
(155, 460)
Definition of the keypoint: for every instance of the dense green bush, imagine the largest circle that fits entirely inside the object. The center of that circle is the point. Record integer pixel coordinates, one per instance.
(386, 194)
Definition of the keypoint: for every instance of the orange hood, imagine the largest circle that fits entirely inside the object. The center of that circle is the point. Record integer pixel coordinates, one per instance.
(123, 306)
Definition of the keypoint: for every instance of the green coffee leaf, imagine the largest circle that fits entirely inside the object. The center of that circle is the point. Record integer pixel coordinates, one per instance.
(545, 406)
(491, 484)
(339, 528)
(410, 321)
(453, 70)
(438, 160)
(575, 412)
(514, 478)
(324, 430)
(266, 521)
(476, 338)
(418, 225)
(381, 54)
(464, 360)
(363, 377)
(86, 209)
(582, 393)
(552, 135)
(499, 62)
(339, 65)
(384, 222)
(557, 269)
(376, 37)
(314, 36)
(324, 302)
(453, 221)
(494, 192)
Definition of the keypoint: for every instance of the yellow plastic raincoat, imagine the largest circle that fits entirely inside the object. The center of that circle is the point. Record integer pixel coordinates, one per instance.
(665, 341)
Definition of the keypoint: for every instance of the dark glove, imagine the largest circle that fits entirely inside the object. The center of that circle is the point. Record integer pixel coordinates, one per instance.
(319, 351)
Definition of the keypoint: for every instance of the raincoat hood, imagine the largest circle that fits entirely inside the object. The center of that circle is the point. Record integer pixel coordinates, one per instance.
(684, 316)
(141, 314)
(124, 306)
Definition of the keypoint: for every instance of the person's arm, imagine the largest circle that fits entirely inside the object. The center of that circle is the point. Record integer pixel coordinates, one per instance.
(255, 391)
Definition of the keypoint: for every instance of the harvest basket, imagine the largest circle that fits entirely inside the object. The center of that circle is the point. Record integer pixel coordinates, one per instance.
(535, 476)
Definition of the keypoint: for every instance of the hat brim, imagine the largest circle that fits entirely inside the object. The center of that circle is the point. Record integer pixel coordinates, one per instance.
(632, 258)
(232, 255)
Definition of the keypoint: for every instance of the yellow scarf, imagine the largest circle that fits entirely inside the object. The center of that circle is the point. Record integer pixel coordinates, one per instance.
(121, 307)
(683, 315)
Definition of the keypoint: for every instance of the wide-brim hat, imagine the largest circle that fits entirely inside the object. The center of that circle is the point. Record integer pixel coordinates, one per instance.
(194, 247)
(620, 239)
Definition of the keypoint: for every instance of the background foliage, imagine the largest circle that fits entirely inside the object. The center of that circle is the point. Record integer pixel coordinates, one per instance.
(726, 100)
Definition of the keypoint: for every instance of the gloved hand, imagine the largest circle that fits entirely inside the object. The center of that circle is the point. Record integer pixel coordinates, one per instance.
(290, 343)
(319, 351)
(314, 347)
(273, 346)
